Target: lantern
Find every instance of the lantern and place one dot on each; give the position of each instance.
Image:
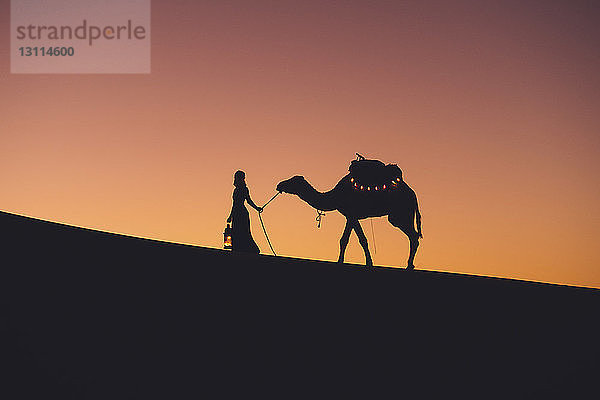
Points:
(227, 245)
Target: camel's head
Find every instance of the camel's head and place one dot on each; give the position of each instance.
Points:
(291, 185)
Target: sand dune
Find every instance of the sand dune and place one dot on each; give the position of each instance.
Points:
(94, 315)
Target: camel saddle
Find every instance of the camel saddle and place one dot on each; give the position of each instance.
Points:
(373, 173)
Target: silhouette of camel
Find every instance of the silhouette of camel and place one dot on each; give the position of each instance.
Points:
(398, 202)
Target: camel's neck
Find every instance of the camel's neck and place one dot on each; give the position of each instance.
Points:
(324, 201)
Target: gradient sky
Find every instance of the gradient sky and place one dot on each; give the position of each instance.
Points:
(490, 108)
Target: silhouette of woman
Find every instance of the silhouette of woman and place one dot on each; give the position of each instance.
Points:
(241, 238)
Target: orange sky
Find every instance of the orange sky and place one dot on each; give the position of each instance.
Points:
(490, 109)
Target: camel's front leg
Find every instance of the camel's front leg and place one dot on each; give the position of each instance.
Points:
(363, 242)
(344, 240)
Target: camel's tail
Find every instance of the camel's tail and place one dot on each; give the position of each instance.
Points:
(418, 217)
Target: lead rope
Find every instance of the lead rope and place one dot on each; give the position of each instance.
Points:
(262, 223)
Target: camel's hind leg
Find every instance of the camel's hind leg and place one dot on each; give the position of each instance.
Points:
(406, 225)
(344, 240)
(363, 242)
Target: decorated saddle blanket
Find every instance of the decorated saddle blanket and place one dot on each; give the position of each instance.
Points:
(368, 175)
